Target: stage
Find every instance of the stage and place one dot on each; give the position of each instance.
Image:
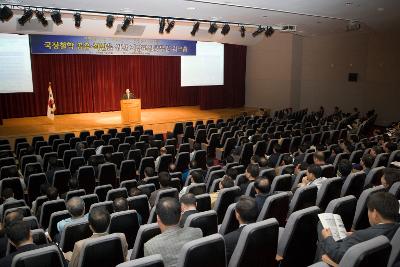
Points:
(160, 120)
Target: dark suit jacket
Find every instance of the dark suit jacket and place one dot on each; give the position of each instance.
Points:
(7, 260)
(185, 215)
(231, 240)
(330, 160)
(260, 200)
(125, 96)
(273, 159)
(243, 187)
(336, 250)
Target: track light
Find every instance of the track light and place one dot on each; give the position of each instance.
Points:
(213, 28)
(28, 13)
(225, 29)
(195, 28)
(110, 21)
(6, 13)
(269, 31)
(162, 26)
(41, 18)
(56, 17)
(127, 22)
(258, 31)
(170, 26)
(242, 31)
(78, 19)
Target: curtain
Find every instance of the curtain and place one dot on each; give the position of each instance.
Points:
(95, 83)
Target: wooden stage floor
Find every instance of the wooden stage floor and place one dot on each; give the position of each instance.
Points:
(160, 120)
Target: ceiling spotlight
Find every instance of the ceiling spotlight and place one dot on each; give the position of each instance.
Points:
(6, 13)
(258, 31)
(110, 21)
(78, 19)
(127, 22)
(170, 26)
(41, 18)
(28, 13)
(225, 29)
(213, 28)
(162, 26)
(242, 31)
(56, 17)
(195, 28)
(269, 31)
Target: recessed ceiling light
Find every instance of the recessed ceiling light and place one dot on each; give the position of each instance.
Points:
(349, 3)
(265, 16)
(380, 9)
(190, 8)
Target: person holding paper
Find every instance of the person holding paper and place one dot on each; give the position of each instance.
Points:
(383, 212)
(313, 177)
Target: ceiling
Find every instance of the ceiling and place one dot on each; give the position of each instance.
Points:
(312, 17)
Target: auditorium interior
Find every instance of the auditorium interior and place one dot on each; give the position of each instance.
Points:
(192, 133)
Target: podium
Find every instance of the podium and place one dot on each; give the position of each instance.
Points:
(130, 111)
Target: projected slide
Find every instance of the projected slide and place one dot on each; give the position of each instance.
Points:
(15, 67)
(206, 68)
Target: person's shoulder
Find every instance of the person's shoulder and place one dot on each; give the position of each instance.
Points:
(195, 232)
(154, 242)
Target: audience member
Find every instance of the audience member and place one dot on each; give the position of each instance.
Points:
(389, 147)
(251, 173)
(335, 150)
(9, 218)
(313, 177)
(302, 152)
(99, 219)
(366, 163)
(255, 159)
(196, 177)
(344, 169)
(319, 158)
(120, 204)
(383, 211)
(262, 187)
(389, 177)
(276, 152)
(163, 151)
(233, 173)
(226, 182)
(246, 212)
(263, 162)
(134, 191)
(52, 194)
(172, 238)
(52, 168)
(165, 183)
(76, 208)
(196, 147)
(7, 196)
(375, 151)
(188, 207)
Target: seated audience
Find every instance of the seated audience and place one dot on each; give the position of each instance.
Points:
(255, 159)
(76, 208)
(52, 194)
(233, 173)
(375, 151)
(120, 204)
(188, 207)
(313, 177)
(251, 173)
(389, 147)
(302, 152)
(319, 158)
(163, 151)
(366, 163)
(383, 211)
(10, 217)
(134, 191)
(172, 238)
(246, 212)
(389, 177)
(335, 149)
(196, 178)
(99, 219)
(165, 183)
(262, 187)
(7, 196)
(196, 147)
(344, 169)
(276, 152)
(226, 182)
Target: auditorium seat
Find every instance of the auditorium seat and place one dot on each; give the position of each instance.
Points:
(131, 140)
(15, 184)
(213, 175)
(73, 141)
(185, 147)
(38, 145)
(25, 210)
(374, 177)
(165, 161)
(353, 185)
(141, 205)
(73, 232)
(127, 170)
(206, 251)
(68, 136)
(303, 197)
(87, 153)
(21, 146)
(74, 193)
(124, 148)
(126, 222)
(33, 186)
(250, 191)
(257, 245)
(145, 233)
(328, 171)
(48, 208)
(112, 131)
(7, 161)
(26, 160)
(108, 174)
(55, 218)
(276, 206)
(97, 143)
(68, 155)
(32, 222)
(356, 156)
(116, 193)
(61, 181)
(338, 158)
(329, 190)
(128, 184)
(89, 200)
(381, 160)
(299, 233)
(43, 150)
(395, 190)
(106, 149)
(228, 146)
(203, 202)
(98, 133)
(108, 205)
(144, 163)
(49, 256)
(56, 143)
(114, 142)
(226, 197)
(74, 164)
(229, 223)
(281, 183)
(83, 135)
(127, 131)
(182, 161)
(101, 191)
(31, 168)
(53, 137)
(86, 178)
(394, 156)
(207, 221)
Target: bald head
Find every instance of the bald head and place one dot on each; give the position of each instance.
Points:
(76, 207)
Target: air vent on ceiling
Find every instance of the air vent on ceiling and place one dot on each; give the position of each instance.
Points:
(288, 28)
(35, 26)
(133, 30)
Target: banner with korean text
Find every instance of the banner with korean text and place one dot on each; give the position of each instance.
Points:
(63, 44)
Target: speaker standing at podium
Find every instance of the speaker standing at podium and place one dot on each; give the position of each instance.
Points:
(128, 95)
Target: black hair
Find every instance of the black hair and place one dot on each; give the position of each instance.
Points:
(303, 148)
(336, 149)
(188, 199)
(263, 162)
(253, 170)
(345, 167)
(385, 204)
(262, 184)
(229, 159)
(368, 160)
(315, 169)
(13, 216)
(197, 176)
(52, 193)
(287, 159)
(99, 219)
(255, 158)
(149, 171)
(120, 204)
(391, 146)
(18, 232)
(168, 210)
(377, 149)
(196, 146)
(164, 179)
(227, 182)
(277, 147)
(7, 193)
(233, 173)
(392, 176)
(247, 209)
(76, 206)
(134, 191)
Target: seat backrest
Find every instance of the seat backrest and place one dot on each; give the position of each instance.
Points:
(345, 207)
(48, 208)
(360, 220)
(126, 222)
(203, 202)
(328, 171)
(182, 161)
(229, 223)
(329, 190)
(394, 254)
(374, 176)
(32, 221)
(303, 197)
(108, 174)
(75, 163)
(141, 205)
(128, 170)
(275, 206)
(145, 233)
(207, 221)
(61, 179)
(226, 197)
(212, 176)
(108, 205)
(34, 183)
(8, 171)
(116, 193)
(74, 193)
(73, 232)
(353, 185)
(374, 252)
(300, 232)
(48, 256)
(281, 183)
(56, 217)
(196, 189)
(206, 251)
(395, 190)
(200, 156)
(256, 239)
(150, 261)
(356, 156)
(171, 192)
(86, 178)
(102, 251)
(89, 201)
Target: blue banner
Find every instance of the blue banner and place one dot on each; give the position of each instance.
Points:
(63, 44)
